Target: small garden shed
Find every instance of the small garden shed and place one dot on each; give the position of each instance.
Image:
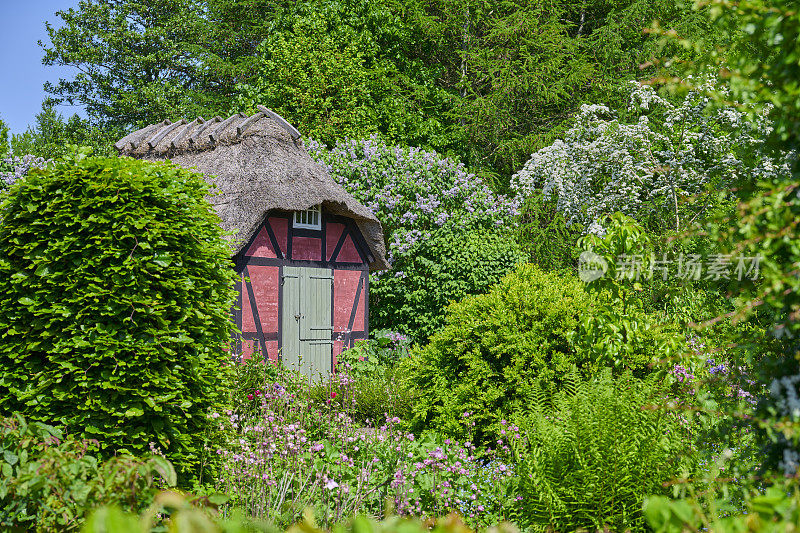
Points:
(302, 246)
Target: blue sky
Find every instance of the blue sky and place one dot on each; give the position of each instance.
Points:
(22, 74)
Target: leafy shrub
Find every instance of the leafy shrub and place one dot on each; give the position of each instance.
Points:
(498, 349)
(588, 460)
(431, 208)
(495, 348)
(774, 510)
(115, 293)
(51, 483)
(368, 383)
(384, 350)
(453, 263)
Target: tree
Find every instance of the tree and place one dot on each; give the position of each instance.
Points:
(660, 163)
(3, 138)
(343, 69)
(52, 137)
(521, 69)
(138, 62)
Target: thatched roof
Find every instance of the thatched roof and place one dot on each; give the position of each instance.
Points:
(256, 163)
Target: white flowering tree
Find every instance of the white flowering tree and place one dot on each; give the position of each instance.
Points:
(659, 162)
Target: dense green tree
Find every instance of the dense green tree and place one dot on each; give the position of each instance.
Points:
(51, 136)
(347, 69)
(488, 81)
(137, 62)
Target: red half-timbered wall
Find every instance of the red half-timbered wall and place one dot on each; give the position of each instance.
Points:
(338, 246)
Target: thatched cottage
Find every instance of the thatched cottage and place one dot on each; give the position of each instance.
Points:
(303, 247)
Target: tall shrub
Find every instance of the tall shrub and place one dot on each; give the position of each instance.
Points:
(496, 350)
(455, 262)
(115, 290)
(438, 219)
(499, 351)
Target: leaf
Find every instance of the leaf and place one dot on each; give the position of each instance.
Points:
(165, 469)
(10, 458)
(134, 412)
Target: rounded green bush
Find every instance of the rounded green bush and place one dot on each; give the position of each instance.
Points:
(455, 262)
(115, 292)
(497, 351)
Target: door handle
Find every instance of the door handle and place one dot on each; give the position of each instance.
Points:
(297, 317)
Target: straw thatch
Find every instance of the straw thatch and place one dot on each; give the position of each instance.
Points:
(255, 163)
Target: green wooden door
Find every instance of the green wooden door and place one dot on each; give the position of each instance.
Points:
(306, 320)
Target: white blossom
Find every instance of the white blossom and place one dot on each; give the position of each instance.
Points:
(648, 165)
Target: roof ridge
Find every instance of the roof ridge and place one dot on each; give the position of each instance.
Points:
(184, 135)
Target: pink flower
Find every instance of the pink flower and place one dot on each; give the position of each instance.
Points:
(333, 395)
(258, 392)
(249, 396)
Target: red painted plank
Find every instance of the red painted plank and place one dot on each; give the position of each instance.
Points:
(333, 232)
(307, 248)
(348, 254)
(280, 228)
(345, 286)
(265, 280)
(272, 351)
(248, 324)
(262, 246)
(337, 351)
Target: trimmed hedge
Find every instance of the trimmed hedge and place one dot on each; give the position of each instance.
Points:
(115, 291)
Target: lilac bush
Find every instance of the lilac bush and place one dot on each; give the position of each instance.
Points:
(289, 453)
(13, 168)
(412, 191)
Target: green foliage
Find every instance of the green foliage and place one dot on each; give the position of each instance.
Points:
(371, 379)
(50, 483)
(488, 82)
(588, 460)
(453, 263)
(774, 510)
(136, 63)
(188, 519)
(183, 515)
(497, 351)
(762, 59)
(116, 291)
(342, 69)
(303, 445)
(385, 349)
(3, 140)
(545, 236)
(52, 136)
(251, 375)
